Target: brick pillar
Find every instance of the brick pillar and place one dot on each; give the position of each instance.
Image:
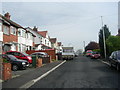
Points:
(7, 73)
(39, 62)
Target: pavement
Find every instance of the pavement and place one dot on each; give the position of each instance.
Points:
(22, 77)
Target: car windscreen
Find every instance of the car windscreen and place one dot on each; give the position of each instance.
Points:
(118, 56)
(12, 57)
(25, 54)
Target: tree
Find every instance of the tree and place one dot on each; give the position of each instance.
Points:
(101, 43)
(91, 46)
(113, 43)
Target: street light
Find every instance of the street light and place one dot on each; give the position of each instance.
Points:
(84, 45)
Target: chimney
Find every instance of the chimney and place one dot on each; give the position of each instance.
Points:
(35, 28)
(7, 15)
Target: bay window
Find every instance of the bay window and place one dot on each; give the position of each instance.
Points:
(13, 30)
(6, 30)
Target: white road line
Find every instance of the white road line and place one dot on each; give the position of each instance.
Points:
(32, 82)
(104, 62)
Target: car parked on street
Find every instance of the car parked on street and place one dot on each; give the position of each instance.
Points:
(114, 60)
(88, 53)
(20, 55)
(16, 63)
(95, 55)
(40, 54)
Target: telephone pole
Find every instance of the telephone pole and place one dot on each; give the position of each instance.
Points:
(84, 45)
(103, 37)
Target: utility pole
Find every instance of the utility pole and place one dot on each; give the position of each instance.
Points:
(84, 45)
(103, 37)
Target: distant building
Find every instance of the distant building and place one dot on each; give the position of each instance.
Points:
(59, 47)
(54, 44)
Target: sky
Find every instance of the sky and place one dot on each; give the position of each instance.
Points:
(70, 22)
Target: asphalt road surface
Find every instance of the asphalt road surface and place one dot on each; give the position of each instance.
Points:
(82, 72)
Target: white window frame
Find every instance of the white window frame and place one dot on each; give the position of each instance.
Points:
(13, 30)
(6, 28)
(0, 26)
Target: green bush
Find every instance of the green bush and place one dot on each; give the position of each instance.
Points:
(5, 60)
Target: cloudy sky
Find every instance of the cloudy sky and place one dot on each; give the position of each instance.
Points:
(70, 22)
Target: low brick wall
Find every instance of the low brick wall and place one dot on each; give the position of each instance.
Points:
(46, 60)
(50, 52)
(6, 73)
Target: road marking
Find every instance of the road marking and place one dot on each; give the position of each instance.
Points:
(104, 62)
(15, 76)
(32, 82)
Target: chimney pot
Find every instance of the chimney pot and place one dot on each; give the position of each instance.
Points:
(35, 28)
(7, 15)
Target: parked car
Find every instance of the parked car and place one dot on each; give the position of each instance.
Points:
(16, 63)
(95, 55)
(114, 60)
(20, 55)
(40, 54)
(88, 53)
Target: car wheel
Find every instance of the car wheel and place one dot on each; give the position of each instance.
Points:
(118, 67)
(14, 67)
(24, 68)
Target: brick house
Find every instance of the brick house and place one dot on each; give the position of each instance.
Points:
(15, 37)
(10, 36)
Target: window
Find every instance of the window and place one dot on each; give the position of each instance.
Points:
(6, 30)
(118, 55)
(0, 26)
(45, 41)
(0, 47)
(13, 30)
(17, 54)
(19, 32)
(19, 47)
(23, 33)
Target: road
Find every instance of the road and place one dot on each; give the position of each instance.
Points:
(82, 72)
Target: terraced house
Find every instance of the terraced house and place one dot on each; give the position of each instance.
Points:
(25, 40)
(45, 43)
(13, 36)
(10, 33)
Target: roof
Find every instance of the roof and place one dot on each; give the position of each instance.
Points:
(11, 22)
(43, 33)
(53, 40)
(67, 47)
(30, 31)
